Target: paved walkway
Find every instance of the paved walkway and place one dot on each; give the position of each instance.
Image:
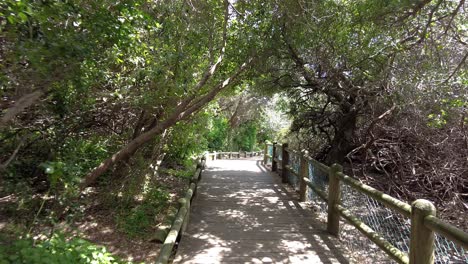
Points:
(242, 214)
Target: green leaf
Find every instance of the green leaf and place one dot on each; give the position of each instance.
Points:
(11, 19)
(23, 16)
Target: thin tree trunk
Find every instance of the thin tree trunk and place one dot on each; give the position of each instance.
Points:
(183, 111)
(139, 125)
(23, 103)
(342, 142)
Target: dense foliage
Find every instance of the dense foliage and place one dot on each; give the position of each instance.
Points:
(97, 96)
(381, 86)
(103, 93)
(58, 249)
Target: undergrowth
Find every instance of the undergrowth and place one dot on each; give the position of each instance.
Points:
(57, 249)
(139, 220)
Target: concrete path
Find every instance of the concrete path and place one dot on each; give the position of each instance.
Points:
(243, 214)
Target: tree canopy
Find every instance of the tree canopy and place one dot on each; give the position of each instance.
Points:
(96, 93)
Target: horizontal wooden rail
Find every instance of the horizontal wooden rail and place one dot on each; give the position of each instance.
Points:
(196, 175)
(318, 164)
(166, 250)
(179, 224)
(422, 212)
(316, 189)
(314, 162)
(389, 201)
(238, 154)
(182, 216)
(291, 170)
(447, 230)
(386, 246)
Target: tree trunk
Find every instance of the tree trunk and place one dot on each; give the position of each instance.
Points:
(181, 112)
(23, 103)
(139, 124)
(342, 142)
(126, 151)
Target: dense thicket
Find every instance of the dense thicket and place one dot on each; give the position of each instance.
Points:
(98, 93)
(381, 86)
(105, 78)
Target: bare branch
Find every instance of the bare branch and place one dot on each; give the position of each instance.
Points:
(12, 157)
(462, 62)
(429, 21)
(23, 103)
(180, 113)
(454, 13)
(209, 72)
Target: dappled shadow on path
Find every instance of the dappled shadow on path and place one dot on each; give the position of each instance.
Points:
(243, 214)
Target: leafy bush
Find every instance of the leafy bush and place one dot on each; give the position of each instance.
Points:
(139, 220)
(58, 249)
(156, 198)
(245, 137)
(187, 140)
(179, 173)
(136, 222)
(217, 136)
(77, 157)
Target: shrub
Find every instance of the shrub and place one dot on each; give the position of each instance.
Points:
(139, 220)
(58, 249)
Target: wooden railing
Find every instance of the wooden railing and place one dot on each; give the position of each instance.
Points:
(182, 216)
(424, 223)
(230, 155)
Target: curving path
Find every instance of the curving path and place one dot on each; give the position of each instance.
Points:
(243, 214)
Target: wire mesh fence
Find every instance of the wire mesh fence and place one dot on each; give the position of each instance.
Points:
(270, 153)
(394, 227)
(294, 163)
(320, 179)
(279, 153)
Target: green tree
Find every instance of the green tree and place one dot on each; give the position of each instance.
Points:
(218, 133)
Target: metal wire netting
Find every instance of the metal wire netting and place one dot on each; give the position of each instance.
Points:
(394, 227)
(270, 152)
(294, 162)
(279, 154)
(389, 224)
(320, 179)
(449, 252)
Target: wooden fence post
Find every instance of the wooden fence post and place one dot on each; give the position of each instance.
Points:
(422, 238)
(284, 163)
(274, 164)
(265, 154)
(304, 173)
(201, 164)
(333, 222)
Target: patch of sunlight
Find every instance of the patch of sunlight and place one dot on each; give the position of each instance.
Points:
(306, 259)
(107, 230)
(295, 246)
(154, 169)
